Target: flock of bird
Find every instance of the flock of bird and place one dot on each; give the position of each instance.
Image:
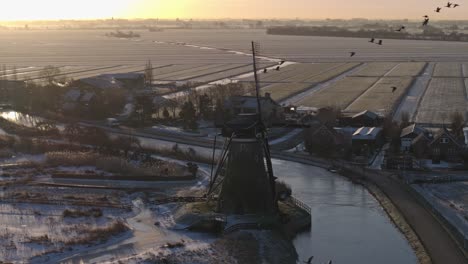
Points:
(424, 23)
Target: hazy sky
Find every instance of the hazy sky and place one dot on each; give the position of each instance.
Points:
(86, 9)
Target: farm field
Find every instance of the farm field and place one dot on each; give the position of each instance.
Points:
(443, 97)
(380, 98)
(280, 91)
(407, 69)
(299, 77)
(465, 70)
(341, 94)
(375, 69)
(448, 69)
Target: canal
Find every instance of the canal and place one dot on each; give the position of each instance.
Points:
(348, 224)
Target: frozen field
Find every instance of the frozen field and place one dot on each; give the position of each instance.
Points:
(325, 74)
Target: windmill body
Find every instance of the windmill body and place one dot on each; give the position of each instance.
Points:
(247, 186)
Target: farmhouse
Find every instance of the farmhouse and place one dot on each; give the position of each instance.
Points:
(364, 118)
(129, 81)
(271, 110)
(444, 146)
(76, 99)
(367, 139)
(323, 139)
(409, 134)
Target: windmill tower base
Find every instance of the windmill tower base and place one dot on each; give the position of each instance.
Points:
(246, 186)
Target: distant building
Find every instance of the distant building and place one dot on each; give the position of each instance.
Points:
(362, 119)
(75, 99)
(444, 146)
(367, 139)
(129, 81)
(271, 110)
(99, 82)
(409, 134)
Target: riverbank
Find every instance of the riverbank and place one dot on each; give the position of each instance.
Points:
(395, 216)
(428, 237)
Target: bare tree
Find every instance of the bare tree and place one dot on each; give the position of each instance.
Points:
(49, 74)
(457, 121)
(405, 119)
(15, 73)
(149, 73)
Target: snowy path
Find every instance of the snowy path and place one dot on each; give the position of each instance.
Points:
(410, 102)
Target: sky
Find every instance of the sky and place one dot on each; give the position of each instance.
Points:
(213, 9)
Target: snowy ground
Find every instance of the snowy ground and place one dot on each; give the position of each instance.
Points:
(34, 229)
(450, 200)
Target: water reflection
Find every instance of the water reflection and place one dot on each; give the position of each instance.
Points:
(21, 119)
(348, 224)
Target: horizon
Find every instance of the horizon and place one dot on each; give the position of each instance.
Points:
(53, 10)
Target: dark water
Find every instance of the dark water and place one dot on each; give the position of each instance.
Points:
(348, 224)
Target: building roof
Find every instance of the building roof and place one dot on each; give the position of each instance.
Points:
(124, 76)
(444, 131)
(367, 113)
(86, 97)
(102, 82)
(412, 129)
(368, 133)
(420, 138)
(72, 95)
(249, 101)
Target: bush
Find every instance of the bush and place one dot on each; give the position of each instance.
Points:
(96, 235)
(283, 190)
(94, 212)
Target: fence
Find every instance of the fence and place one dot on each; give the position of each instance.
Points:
(243, 226)
(179, 200)
(301, 205)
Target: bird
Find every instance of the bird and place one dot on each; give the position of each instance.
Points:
(372, 40)
(438, 9)
(380, 42)
(449, 5)
(401, 28)
(352, 53)
(309, 261)
(330, 262)
(394, 88)
(282, 62)
(278, 68)
(265, 70)
(455, 5)
(425, 22)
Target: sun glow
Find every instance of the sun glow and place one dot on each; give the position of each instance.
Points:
(63, 9)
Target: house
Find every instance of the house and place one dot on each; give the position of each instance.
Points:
(131, 81)
(77, 99)
(408, 134)
(323, 139)
(99, 82)
(444, 146)
(367, 139)
(10, 88)
(420, 145)
(362, 119)
(271, 110)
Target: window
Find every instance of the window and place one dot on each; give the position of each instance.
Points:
(444, 140)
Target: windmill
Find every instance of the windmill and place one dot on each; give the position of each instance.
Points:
(247, 185)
